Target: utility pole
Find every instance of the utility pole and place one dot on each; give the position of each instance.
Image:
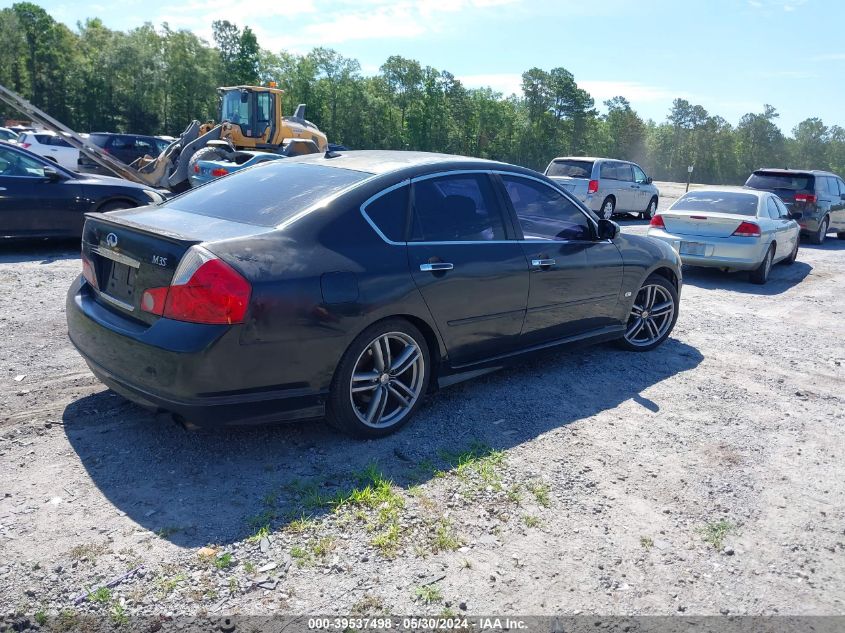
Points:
(689, 175)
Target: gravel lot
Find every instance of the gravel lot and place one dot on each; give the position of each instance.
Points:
(705, 477)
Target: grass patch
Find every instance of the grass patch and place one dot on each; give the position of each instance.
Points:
(300, 555)
(68, 620)
(479, 466)
(89, 551)
(715, 533)
(369, 605)
(224, 561)
(167, 585)
(119, 615)
(531, 521)
(101, 595)
(540, 491)
(646, 542)
(445, 539)
(40, 618)
(260, 533)
(387, 541)
(167, 531)
(428, 594)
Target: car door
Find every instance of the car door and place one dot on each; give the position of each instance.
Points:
(792, 231)
(780, 229)
(837, 209)
(575, 279)
(467, 264)
(627, 188)
(33, 204)
(642, 190)
(63, 152)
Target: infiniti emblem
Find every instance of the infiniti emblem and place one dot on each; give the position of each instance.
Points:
(111, 240)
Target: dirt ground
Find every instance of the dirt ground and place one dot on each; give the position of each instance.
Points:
(704, 477)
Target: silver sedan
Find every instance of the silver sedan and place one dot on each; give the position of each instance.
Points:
(739, 229)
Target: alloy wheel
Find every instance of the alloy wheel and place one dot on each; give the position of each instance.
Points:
(387, 380)
(651, 315)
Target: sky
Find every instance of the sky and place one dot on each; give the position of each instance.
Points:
(730, 56)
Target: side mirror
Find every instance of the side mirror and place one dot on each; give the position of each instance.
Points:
(608, 229)
(648, 180)
(51, 174)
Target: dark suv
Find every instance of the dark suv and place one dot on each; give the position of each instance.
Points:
(124, 147)
(818, 196)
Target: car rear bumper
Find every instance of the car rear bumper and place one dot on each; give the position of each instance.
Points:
(191, 370)
(735, 253)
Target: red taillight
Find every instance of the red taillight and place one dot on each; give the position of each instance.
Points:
(747, 229)
(805, 197)
(657, 221)
(88, 271)
(204, 290)
(196, 169)
(593, 187)
(219, 172)
(26, 145)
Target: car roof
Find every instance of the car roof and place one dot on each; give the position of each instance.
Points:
(592, 158)
(379, 162)
(786, 170)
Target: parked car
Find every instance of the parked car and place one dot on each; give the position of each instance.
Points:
(731, 229)
(8, 135)
(310, 286)
(204, 171)
(51, 146)
(39, 198)
(817, 198)
(127, 148)
(606, 186)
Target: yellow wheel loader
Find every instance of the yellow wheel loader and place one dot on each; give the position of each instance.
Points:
(250, 119)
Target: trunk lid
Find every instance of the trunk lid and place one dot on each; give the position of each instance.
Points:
(131, 251)
(697, 224)
(576, 186)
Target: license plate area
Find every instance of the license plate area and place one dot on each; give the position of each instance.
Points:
(692, 248)
(116, 273)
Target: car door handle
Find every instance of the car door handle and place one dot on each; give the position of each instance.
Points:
(542, 262)
(2, 188)
(635, 186)
(435, 267)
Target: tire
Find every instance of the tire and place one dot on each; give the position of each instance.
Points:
(650, 211)
(792, 256)
(399, 393)
(760, 275)
(645, 333)
(818, 237)
(204, 153)
(115, 206)
(608, 208)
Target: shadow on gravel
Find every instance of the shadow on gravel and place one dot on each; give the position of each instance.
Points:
(43, 251)
(781, 279)
(220, 486)
(830, 244)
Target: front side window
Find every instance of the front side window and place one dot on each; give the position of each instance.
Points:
(833, 186)
(639, 175)
(545, 214)
(460, 208)
(782, 210)
(15, 164)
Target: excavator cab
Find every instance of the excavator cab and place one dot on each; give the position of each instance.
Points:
(253, 112)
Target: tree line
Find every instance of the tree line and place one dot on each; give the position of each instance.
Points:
(157, 80)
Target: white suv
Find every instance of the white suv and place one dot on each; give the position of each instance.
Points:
(51, 146)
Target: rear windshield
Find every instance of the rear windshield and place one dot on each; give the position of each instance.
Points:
(267, 194)
(99, 139)
(571, 168)
(717, 202)
(785, 181)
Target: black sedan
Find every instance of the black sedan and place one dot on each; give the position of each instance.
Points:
(38, 198)
(347, 287)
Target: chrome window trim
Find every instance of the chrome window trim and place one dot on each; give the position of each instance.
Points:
(459, 172)
(120, 258)
(117, 302)
(373, 198)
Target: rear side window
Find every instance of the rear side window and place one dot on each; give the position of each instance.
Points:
(267, 194)
(608, 171)
(459, 208)
(571, 169)
(389, 213)
(832, 186)
(624, 172)
(774, 213)
(781, 180)
(717, 202)
(98, 139)
(545, 214)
